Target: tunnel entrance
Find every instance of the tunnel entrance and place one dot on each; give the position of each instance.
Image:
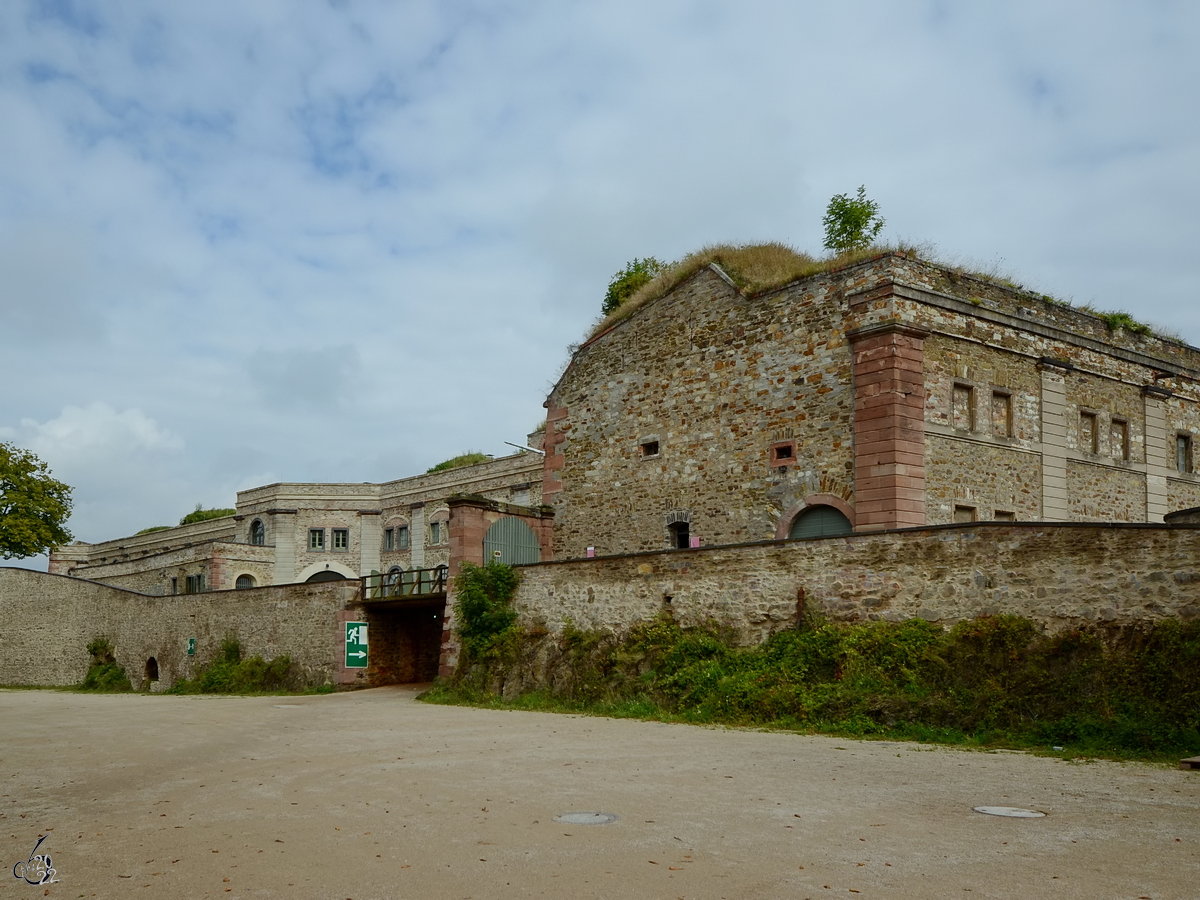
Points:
(406, 643)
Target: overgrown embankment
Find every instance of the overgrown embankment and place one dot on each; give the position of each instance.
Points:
(995, 680)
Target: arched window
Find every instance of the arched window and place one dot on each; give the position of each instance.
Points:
(680, 534)
(258, 533)
(152, 669)
(820, 521)
(391, 581)
(244, 582)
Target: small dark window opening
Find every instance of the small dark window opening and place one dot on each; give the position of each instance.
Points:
(650, 448)
(681, 535)
(258, 533)
(785, 452)
(1183, 452)
(152, 669)
(174, 585)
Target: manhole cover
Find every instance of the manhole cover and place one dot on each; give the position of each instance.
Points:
(585, 818)
(1012, 812)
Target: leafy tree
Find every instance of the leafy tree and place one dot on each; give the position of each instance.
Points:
(199, 514)
(34, 507)
(851, 223)
(626, 282)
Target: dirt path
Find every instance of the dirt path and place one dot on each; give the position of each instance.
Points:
(372, 795)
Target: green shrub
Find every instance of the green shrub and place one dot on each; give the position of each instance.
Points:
(473, 458)
(203, 515)
(228, 673)
(104, 675)
(483, 609)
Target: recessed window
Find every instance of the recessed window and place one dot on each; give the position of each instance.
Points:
(1118, 439)
(244, 582)
(389, 539)
(341, 539)
(316, 539)
(258, 533)
(680, 534)
(962, 407)
(649, 448)
(194, 584)
(437, 532)
(964, 514)
(1183, 452)
(174, 585)
(1003, 515)
(401, 537)
(1002, 425)
(783, 454)
(1089, 437)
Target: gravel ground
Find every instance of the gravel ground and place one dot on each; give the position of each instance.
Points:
(373, 795)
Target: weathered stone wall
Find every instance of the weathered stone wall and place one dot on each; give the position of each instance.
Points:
(1105, 492)
(986, 477)
(50, 619)
(1060, 575)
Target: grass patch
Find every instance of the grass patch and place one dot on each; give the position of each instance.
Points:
(753, 268)
(228, 673)
(988, 683)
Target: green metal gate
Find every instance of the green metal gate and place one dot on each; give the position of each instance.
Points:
(511, 542)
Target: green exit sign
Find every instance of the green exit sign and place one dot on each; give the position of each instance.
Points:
(356, 645)
(191, 646)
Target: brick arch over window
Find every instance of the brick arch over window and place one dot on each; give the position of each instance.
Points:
(789, 517)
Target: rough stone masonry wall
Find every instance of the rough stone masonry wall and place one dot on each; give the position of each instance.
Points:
(50, 619)
(715, 379)
(1060, 575)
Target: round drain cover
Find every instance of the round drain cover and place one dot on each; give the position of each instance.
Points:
(585, 818)
(1012, 812)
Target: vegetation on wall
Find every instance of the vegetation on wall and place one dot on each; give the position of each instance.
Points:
(473, 458)
(203, 515)
(153, 528)
(486, 621)
(34, 506)
(989, 681)
(228, 673)
(104, 675)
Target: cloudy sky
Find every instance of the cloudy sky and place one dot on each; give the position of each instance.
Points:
(341, 241)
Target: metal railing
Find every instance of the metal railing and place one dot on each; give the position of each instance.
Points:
(415, 584)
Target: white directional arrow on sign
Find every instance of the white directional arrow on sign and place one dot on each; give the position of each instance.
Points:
(357, 653)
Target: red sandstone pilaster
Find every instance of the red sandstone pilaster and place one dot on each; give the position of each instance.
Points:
(889, 426)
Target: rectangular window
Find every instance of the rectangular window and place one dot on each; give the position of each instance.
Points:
(174, 585)
(389, 539)
(1089, 437)
(435, 532)
(1118, 438)
(1002, 425)
(341, 539)
(1002, 515)
(316, 539)
(1183, 452)
(649, 448)
(964, 514)
(402, 537)
(783, 454)
(194, 584)
(962, 407)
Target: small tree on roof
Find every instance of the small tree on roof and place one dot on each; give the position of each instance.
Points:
(626, 282)
(851, 223)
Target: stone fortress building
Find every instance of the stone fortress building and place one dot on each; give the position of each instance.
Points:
(886, 439)
(289, 533)
(887, 394)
